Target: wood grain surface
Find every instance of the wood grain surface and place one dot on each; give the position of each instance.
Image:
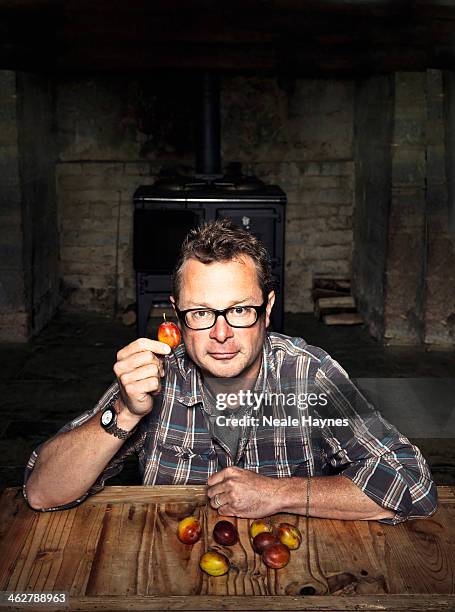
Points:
(119, 550)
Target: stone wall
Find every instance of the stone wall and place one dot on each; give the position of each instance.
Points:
(29, 282)
(439, 319)
(14, 310)
(115, 135)
(37, 167)
(374, 111)
(420, 277)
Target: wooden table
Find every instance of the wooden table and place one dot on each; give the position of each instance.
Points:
(118, 550)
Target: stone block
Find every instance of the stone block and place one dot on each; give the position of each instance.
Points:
(434, 132)
(90, 281)
(435, 95)
(90, 225)
(409, 132)
(436, 163)
(12, 292)
(410, 95)
(9, 151)
(402, 290)
(95, 182)
(90, 299)
(441, 257)
(397, 332)
(407, 210)
(437, 198)
(101, 169)
(137, 168)
(87, 238)
(405, 252)
(338, 222)
(336, 268)
(86, 254)
(14, 327)
(68, 169)
(8, 132)
(11, 256)
(330, 238)
(408, 166)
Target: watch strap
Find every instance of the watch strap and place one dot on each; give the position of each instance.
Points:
(116, 431)
(122, 434)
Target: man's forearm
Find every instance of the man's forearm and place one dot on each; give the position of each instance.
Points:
(333, 497)
(68, 465)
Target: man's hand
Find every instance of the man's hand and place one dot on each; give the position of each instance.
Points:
(243, 493)
(139, 371)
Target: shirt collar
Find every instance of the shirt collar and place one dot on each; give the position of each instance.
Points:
(187, 373)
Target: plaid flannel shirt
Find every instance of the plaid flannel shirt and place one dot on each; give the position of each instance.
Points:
(174, 446)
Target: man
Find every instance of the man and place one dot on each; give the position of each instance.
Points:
(305, 441)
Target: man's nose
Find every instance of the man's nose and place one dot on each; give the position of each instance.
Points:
(221, 330)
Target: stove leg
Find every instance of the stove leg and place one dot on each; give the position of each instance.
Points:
(144, 304)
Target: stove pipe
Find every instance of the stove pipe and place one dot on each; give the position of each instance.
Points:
(208, 154)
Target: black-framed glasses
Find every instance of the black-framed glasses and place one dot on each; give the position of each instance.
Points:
(235, 316)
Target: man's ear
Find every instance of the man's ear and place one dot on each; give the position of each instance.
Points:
(172, 300)
(268, 310)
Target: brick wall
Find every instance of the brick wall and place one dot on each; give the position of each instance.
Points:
(439, 306)
(36, 139)
(374, 113)
(14, 311)
(299, 138)
(420, 271)
(28, 222)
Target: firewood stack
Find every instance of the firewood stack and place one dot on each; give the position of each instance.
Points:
(333, 302)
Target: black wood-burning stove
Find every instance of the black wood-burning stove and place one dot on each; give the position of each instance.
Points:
(167, 210)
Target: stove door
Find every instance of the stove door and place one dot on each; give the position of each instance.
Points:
(262, 222)
(158, 237)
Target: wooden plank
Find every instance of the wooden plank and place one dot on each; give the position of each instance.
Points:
(150, 494)
(446, 494)
(419, 558)
(80, 550)
(343, 301)
(343, 318)
(128, 552)
(17, 540)
(349, 558)
(389, 603)
(173, 567)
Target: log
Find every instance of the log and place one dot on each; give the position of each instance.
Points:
(319, 292)
(343, 301)
(343, 318)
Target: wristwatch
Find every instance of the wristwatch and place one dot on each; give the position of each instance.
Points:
(109, 423)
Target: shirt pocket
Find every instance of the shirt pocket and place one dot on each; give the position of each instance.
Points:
(180, 464)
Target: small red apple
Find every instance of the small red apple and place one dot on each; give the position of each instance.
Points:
(225, 533)
(276, 555)
(169, 333)
(264, 539)
(260, 525)
(214, 563)
(189, 530)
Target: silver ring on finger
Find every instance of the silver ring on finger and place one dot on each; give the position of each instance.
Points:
(216, 501)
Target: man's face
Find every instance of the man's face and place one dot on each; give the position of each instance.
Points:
(222, 350)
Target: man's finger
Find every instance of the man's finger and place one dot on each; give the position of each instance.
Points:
(226, 511)
(216, 489)
(144, 344)
(217, 477)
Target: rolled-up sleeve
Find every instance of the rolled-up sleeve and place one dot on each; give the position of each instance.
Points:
(370, 451)
(112, 469)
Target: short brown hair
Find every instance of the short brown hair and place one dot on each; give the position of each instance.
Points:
(222, 240)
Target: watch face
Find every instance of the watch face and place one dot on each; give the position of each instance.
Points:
(107, 417)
